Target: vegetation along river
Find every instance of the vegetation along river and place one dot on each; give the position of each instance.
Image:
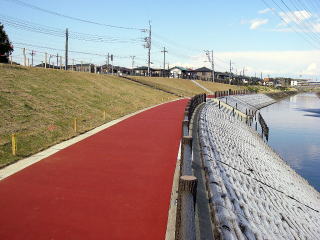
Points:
(294, 125)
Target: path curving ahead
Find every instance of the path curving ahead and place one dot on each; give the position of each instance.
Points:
(115, 184)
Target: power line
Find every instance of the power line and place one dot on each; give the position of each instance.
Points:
(288, 23)
(62, 50)
(301, 21)
(32, 27)
(28, 5)
(315, 4)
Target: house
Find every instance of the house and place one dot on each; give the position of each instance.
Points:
(294, 83)
(203, 73)
(302, 82)
(283, 82)
(178, 72)
(141, 71)
(85, 67)
(121, 70)
(268, 82)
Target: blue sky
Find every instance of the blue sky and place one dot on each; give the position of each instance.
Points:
(248, 33)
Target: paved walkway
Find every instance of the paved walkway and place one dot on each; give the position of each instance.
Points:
(115, 184)
(203, 87)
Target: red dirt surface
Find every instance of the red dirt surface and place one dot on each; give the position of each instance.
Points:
(115, 184)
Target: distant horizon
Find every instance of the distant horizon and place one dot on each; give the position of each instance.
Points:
(249, 34)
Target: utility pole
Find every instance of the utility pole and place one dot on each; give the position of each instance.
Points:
(132, 63)
(50, 59)
(24, 57)
(148, 46)
(45, 60)
(108, 57)
(57, 60)
(32, 54)
(230, 70)
(211, 60)
(111, 58)
(164, 60)
(66, 53)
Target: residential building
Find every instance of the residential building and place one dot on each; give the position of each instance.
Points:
(203, 73)
(178, 72)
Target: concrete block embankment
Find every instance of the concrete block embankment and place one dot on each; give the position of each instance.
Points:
(253, 193)
(248, 103)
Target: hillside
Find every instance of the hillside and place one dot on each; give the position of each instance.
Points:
(214, 86)
(183, 87)
(39, 105)
(178, 86)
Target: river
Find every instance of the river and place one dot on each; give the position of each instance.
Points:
(294, 125)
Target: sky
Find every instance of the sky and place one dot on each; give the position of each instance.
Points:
(257, 36)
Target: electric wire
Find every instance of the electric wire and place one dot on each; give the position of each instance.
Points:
(28, 5)
(32, 27)
(290, 26)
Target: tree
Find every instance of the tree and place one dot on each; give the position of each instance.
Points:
(5, 46)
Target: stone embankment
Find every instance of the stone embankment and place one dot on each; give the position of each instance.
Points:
(253, 193)
(248, 103)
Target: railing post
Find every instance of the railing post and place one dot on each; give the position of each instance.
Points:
(187, 155)
(187, 189)
(185, 127)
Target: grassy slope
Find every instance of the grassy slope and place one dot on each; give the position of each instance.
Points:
(179, 86)
(184, 87)
(39, 105)
(219, 86)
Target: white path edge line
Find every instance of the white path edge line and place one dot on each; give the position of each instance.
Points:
(203, 87)
(26, 162)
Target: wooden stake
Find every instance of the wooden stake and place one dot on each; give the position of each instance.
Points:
(104, 115)
(75, 125)
(14, 144)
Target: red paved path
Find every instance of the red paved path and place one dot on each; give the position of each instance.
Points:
(113, 185)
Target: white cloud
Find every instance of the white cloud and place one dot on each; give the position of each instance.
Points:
(264, 11)
(255, 23)
(298, 21)
(312, 69)
(295, 16)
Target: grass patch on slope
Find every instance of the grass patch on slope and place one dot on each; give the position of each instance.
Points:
(182, 87)
(213, 86)
(39, 105)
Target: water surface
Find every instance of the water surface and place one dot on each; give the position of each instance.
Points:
(294, 125)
